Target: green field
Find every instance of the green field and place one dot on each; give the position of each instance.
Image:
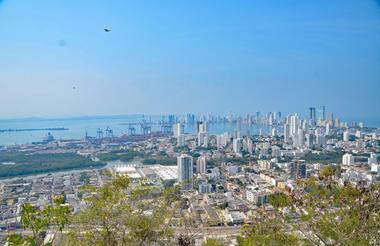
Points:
(28, 163)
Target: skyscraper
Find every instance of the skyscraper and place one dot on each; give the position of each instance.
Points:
(177, 130)
(286, 133)
(238, 128)
(249, 144)
(201, 165)
(327, 129)
(321, 139)
(294, 122)
(312, 115)
(201, 127)
(330, 118)
(346, 136)
(237, 145)
(301, 138)
(309, 140)
(185, 171)
(322, 113)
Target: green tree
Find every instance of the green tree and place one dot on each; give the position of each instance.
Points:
(319, 212)
(122, 213)
(267, 230)
(54, 217)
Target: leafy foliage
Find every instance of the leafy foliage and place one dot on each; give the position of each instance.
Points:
(319, 212)
(53, 217)
(279, 200)
(120, 213)
(267, 231)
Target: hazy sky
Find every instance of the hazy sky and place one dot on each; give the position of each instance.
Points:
(188, 56)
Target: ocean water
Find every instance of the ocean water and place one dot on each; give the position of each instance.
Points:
(78, 127)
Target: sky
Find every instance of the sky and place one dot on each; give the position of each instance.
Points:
(189, 56)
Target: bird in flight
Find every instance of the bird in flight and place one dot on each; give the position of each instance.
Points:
(107, 30)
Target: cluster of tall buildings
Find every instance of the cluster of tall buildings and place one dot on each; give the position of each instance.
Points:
(269, 118)
(185, 170)
(302, 133)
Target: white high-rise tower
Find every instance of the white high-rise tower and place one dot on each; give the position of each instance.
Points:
(185, 171)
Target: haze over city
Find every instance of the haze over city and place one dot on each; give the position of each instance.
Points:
(189, 56)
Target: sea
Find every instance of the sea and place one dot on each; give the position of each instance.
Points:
(77, 127)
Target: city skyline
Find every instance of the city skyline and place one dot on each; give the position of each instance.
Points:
(244, 122)
(179, 57)
(181, 117)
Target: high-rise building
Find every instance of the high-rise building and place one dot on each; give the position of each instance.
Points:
(294, 123)
(312, 116)
(177, 129)
(201, 138)
(301, 138)
(337, 122)
(327, 129)
(238, 124)
(201, 164)
(298, 170)
(286, 133)
(185, 171)
(320, 140)
(346, 136)
(348, 159)
(201, 127)
(322, 113)
(309, 140)
(237, 145)
(249, 143)
(330, 118)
